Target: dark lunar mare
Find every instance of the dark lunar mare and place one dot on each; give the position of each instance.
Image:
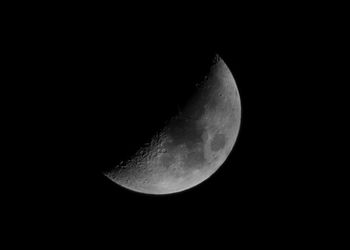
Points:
(184, 131)
(218, 142)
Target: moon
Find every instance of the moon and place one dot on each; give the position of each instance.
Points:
(192, 145)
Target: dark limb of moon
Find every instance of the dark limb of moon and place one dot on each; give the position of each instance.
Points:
(193, 145)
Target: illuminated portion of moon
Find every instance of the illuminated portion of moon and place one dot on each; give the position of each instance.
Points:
(193, 145)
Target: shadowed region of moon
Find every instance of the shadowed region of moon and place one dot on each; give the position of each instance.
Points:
(192, 145)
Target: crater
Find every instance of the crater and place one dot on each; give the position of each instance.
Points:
(218, 142)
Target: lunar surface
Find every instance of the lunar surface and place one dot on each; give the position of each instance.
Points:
(193, 144)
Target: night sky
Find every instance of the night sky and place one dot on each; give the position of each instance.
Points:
(103, 92)
(120, 93)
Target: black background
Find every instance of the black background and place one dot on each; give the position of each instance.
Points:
(101, 88)
(119, 93)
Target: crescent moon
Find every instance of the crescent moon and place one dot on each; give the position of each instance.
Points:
(193, 145)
